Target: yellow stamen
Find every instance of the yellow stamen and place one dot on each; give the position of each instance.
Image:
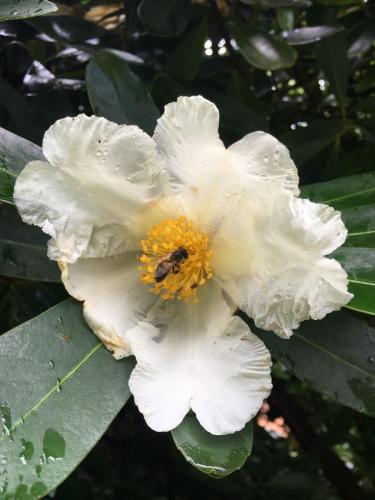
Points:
(186, 276)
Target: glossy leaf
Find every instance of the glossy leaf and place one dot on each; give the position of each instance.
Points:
(309, 34)
(336, 356)
(165, 17)
(217, 456)
(9, 9)
(270, 4)
(285, 18)
(23, 249)
(359, 263)
(118, 94)
(345, 192)
(68, 29)
(60, 390)
(15, 152)
(360, 222)
(262, 50)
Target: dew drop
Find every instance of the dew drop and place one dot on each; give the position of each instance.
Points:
(52, 364)
(58, 385)
(371, 359)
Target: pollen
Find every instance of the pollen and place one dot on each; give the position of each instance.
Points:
(176, 259)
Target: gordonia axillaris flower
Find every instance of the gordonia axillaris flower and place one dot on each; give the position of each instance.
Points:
(164, 237)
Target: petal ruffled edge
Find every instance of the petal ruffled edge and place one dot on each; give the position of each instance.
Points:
(198, 356)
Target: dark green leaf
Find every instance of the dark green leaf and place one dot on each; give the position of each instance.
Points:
(336, 355)
(68, 29)
(359, 263)
(305, 143)
(9, 9)
(23, 249)
(15, 152)
(285, 18)
(360, 222)
(236, 118)
(346, 192)
(333, 59)
(184, 63)
(310, 34)
(116, 93)
(60, 390)
(165, 17)
(217, 456)
(20, 111)
(361, 38)
(270, 4)
(260, 49)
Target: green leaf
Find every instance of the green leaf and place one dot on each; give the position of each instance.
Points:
(345, 192)
(305, 143)
(310, 34)
(355, 197)
(185, 61)
(68, 29)
(270, 4)
(217, 456)
(359, 264)
(165, 17)
(335, 355)
(23, 249)
(262, 50)
(60, 390)
(15, 152)
(333, 59)
(285, 18)
(360, 222)
(9, 9)
(116, 93)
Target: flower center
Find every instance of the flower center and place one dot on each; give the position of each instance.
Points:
(176, 259)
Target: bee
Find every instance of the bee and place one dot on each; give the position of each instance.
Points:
(170, 263)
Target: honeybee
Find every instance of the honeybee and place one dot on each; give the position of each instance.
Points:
(170, 263)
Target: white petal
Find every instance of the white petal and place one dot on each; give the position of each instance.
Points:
(265, 158)
(114, 298)
(102, 174)
(288, 279)
(187, 138)
(198, 356)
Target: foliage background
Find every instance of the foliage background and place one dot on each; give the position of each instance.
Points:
(313, 90)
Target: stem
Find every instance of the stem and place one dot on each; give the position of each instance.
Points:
(223, 29)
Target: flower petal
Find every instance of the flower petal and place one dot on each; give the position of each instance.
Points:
(198, 356)
(102, 174)
(187, 138)
(114, 298)
(265, 158)
(288, 279)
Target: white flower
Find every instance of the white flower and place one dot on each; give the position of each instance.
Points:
(119, 204)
